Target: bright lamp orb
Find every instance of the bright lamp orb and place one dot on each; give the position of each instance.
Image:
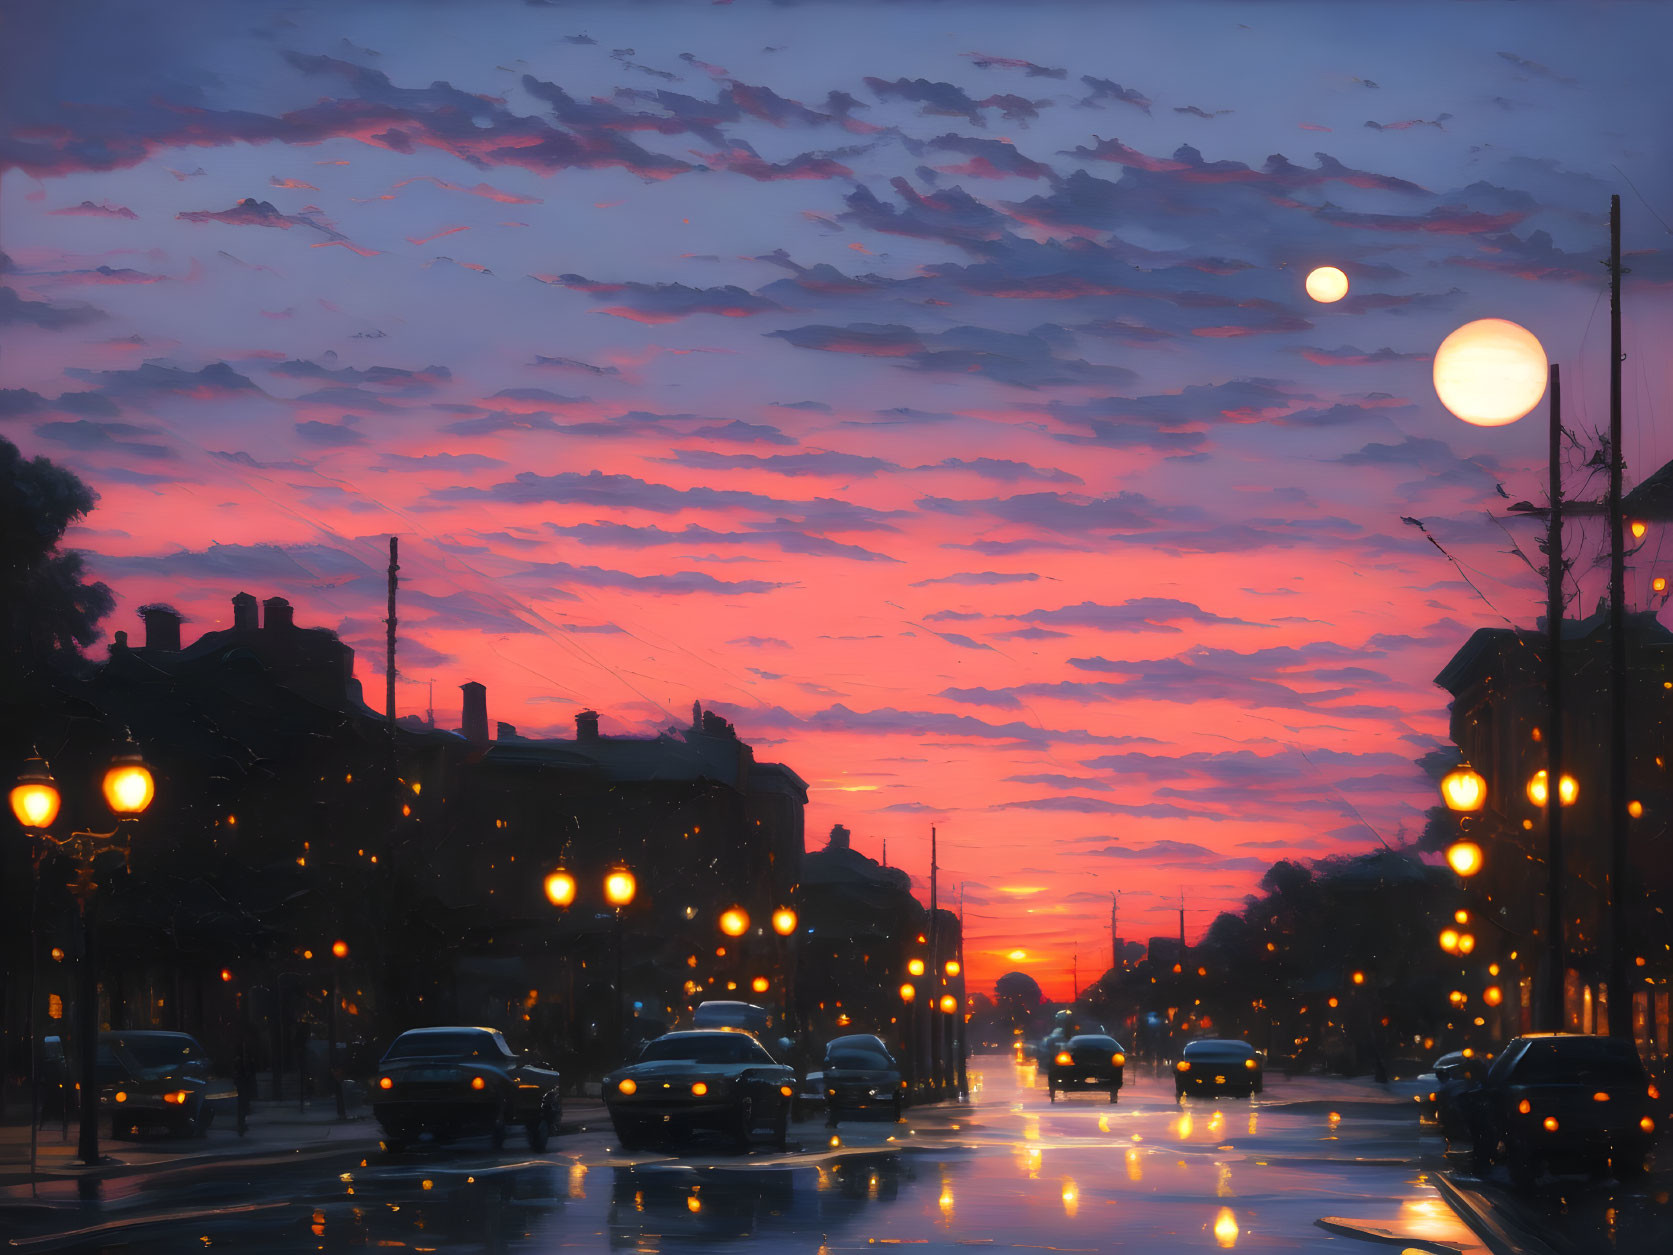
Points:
(1464, 857)
(128, 788)
(35, 804)
(734, 922)
(784, 921)
(1464, 790)
(1327, 285)
(560, 888)
(1490, 372)
(619, 887)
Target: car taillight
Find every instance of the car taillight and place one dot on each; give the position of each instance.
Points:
(627, 1085)
(1250, 1064)
(1184, 1065)
(1600, 1096)
(786, 1091)
(478, 1083)
(1524, 1106)
(1119, 1060)
(177, 1098)
(699, 1088)
(385, 1082)
(1064, 1058)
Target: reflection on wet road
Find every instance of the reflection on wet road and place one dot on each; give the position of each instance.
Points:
(1011, 1172)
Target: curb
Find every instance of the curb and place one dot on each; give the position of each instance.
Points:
(1501, 1237)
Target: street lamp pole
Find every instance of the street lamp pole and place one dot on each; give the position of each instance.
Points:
(1555, 955)
(128, 788)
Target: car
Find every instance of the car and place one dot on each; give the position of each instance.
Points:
(719, 1013)
(1087, 1061)
(1456, 1073)
(1218, 1065)
(153, 1079)
(858, 1072)
(1569, 1101)
(720, 1080)
(1065, 1025)
(453, 1081)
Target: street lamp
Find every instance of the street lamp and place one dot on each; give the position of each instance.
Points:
(1539, 788)
(339, 951)
(734, 921)
(784, 921)
(620, 888)
(1464, 790)
(128, 788)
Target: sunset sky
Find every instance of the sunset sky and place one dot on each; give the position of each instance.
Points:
(928, 388)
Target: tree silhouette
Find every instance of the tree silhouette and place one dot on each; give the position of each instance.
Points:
(52, 611)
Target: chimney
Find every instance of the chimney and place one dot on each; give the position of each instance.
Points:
(278, 614)
(839, 838)
(586, 725)
(162, 627)
(506, 732)
(473, 721)
(244, 614)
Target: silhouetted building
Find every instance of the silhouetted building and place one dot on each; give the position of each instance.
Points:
(1499, 713)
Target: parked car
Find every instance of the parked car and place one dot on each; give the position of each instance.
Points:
(721, 1080)
(1087, 1061)
(1218, 1065)
(151, 1079)
(455, 1081)
(858, 1073)
(1455, 1074)
(1569, 1101)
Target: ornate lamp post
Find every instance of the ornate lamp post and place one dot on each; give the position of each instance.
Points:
(128, 788)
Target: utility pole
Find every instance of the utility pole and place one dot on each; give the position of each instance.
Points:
(931, 1008)
(1115, 937)
(1555, 955)
(1620, 966)
(389, 654)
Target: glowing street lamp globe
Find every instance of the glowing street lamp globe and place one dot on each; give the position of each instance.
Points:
(908, 992)
(1490, 372)
(619, 887)
(949, 1004)
(915, 966)
(35, 797)
(560, 887)
(128, 787)
(1464, 857)
(1327, 285)
(784, 921)
(340, 949)
(734, 922)
(1464, 790)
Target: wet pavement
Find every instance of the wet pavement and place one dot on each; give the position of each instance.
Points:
(1010, 1171)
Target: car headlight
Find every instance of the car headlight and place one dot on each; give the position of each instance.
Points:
(1184, 1065)
(786, 1090)
(121, 1095)
(385, 1082)
(1251, 1064)
(175, 1097)
(699, 1088)
(627, 1085)
(1064, 1058)
(478, 1083)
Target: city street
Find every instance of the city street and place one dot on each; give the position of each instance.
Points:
(1295, 1169)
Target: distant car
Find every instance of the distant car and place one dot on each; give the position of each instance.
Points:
(858, 1072)
(722, 1080)
(722, 1014)
(1218, 1065)
(1571, 1101)
(455, 1081)
(151, 1079)
(1087, 1061)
